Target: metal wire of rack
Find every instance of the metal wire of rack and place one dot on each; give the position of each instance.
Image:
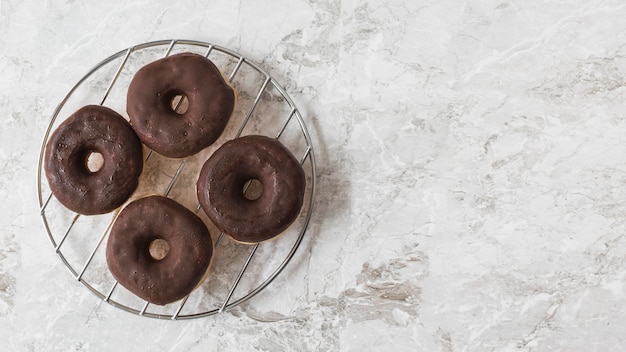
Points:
(176, 310)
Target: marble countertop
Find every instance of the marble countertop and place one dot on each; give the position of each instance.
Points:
(471, 174)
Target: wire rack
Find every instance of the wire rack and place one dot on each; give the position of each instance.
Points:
(238, 271)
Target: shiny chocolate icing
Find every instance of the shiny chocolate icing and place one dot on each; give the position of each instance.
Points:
(211, 101)
(93, 129)
(223, 178)
(158, 281)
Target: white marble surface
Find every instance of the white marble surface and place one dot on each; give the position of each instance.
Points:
(471, 171)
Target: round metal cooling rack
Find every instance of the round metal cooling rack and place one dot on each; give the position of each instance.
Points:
(239, 271)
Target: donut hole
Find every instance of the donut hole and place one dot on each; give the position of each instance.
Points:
(252, 189)
(179, 103)
(94, 161)
(158, 249)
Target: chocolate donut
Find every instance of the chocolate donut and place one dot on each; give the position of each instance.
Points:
(91, 131)
(150, 104)
(224, 175)
(158, 279)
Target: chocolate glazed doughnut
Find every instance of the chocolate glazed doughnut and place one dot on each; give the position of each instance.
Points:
(158, 279)
(90, 131)
(221, 183)
(149, 104)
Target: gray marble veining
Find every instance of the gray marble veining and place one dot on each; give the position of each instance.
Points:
(471, 169)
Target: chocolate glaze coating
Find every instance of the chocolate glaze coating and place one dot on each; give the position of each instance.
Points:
(180, 271)
(222, 179)
(211, 102)
(93, 128)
